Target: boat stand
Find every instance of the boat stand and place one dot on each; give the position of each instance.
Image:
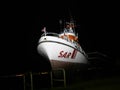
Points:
(58, 78)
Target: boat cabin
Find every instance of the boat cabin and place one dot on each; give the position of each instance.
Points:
(69, 32)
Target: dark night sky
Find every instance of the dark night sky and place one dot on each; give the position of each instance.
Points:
(21, 26)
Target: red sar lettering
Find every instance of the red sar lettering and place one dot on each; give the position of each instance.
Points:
(72, 55)
(63, 54)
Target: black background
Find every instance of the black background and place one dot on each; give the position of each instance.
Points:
(21, 26)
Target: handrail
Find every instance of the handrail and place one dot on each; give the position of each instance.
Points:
(50, 33)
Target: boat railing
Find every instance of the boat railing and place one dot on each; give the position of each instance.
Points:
(50, 34)
(57, 35)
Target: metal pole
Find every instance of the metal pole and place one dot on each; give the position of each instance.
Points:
(31, 78)
(51, 79)
(24, 81)
(64, 78)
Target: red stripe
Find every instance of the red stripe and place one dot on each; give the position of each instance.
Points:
(74, 54)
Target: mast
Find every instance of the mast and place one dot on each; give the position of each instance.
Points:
(72, 22)
(60, 22)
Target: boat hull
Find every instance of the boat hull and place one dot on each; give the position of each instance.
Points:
(61, 55)
(68, 65)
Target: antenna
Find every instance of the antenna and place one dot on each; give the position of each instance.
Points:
(70, 14)
(60, 21)
(72, 20)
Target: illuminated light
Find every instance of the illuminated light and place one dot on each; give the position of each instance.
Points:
(44, 72)
(20, 75)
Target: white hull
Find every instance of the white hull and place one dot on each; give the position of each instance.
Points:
(61, 53)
